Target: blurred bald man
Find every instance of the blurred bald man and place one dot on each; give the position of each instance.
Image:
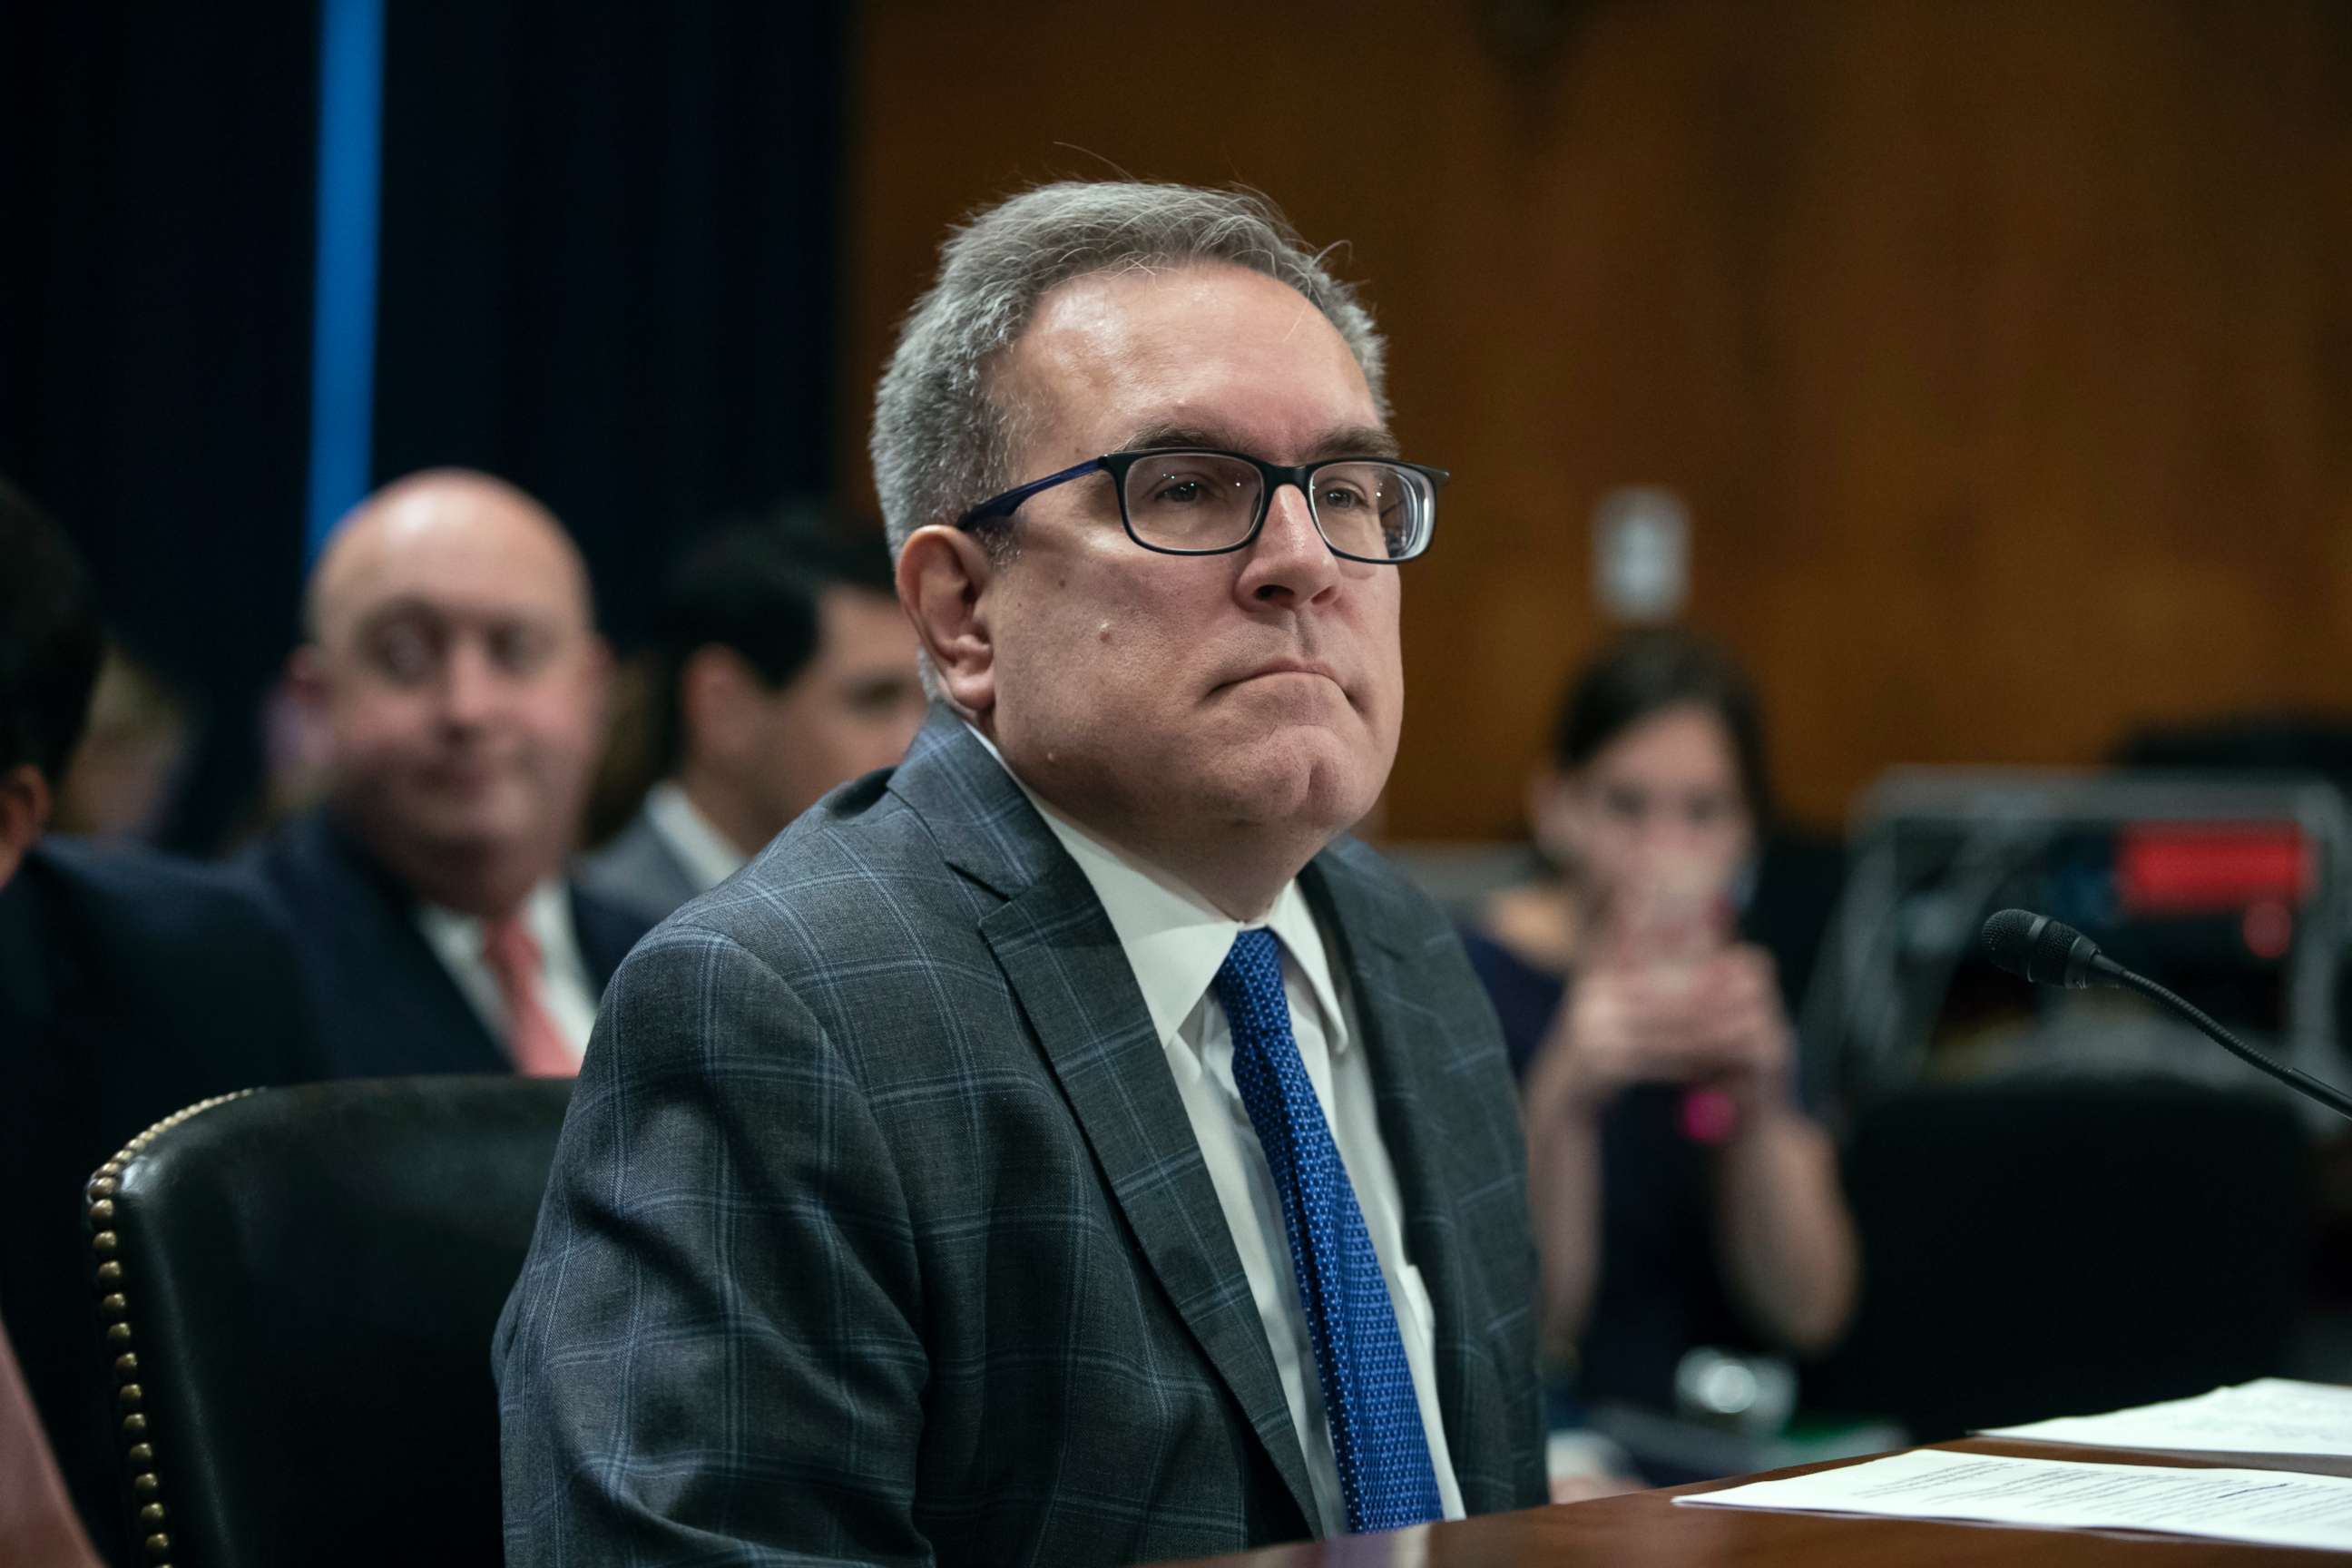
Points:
(455, 667)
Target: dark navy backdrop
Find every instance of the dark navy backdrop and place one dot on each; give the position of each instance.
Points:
(607, 271)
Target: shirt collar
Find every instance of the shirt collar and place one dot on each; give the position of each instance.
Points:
(546, 914)
(707, 855)
(1174, 939)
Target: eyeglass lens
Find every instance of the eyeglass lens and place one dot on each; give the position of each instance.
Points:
(1204, 500)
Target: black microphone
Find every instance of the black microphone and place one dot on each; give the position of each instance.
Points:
(2039, 949)
(2047, 952)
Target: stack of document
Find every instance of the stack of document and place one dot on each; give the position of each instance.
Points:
(2273, 1417)
(2269, 1416)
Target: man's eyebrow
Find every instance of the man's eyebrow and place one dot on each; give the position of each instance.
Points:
(406, 607)
(1161, 437)
(1358, 441)
(1345, 441)
(401, 608)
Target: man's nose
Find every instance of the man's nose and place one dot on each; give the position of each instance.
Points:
(1288, 562)
(470, 685)
(1662, 831)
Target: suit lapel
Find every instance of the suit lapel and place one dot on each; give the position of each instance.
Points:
(407, 1013)
(1410, 1086)
(605, 931)
(1076, 986)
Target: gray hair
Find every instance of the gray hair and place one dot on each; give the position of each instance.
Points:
(940, 443)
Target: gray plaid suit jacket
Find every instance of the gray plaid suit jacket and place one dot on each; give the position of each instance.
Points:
(878, 1231)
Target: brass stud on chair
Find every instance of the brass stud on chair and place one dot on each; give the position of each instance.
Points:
(146, 1485)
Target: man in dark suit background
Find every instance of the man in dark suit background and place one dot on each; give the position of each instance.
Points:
(782, 667)
(131, 985)
(1068, 1147)
(454, 666)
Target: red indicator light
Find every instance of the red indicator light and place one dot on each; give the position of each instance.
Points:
(2180, 868)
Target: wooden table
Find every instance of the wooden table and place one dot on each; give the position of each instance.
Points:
(1646, 1528)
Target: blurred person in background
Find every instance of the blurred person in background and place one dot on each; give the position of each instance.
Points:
(454, 670)
(1681, 1195)
(120, 779)
(131, 985)
(782, 667)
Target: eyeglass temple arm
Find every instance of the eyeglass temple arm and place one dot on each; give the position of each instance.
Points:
(1009, 502)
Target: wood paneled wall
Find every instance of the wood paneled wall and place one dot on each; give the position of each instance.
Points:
(2002, 349)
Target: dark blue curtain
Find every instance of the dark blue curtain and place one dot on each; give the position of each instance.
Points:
(606, 270)
(157, 175)
(606, 273)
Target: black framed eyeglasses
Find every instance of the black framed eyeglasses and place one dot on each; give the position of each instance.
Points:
(1198, 502)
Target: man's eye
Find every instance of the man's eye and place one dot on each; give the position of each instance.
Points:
(1707, 810)
(878, 699)
(405, 655)
(518, 650)
(1178, 492)
(1625, 805)
(1341, 497)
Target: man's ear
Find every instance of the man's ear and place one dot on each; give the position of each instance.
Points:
(24, 810)
(712, 686)
(306, 679)
(943, 579)
(599, 676)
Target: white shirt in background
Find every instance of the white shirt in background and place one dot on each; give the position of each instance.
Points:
(565, 990)
(709, 855)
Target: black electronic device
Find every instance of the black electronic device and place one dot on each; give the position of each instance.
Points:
(2235, 891)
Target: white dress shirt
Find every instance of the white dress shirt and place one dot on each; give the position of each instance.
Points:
(565, 990)
(709, 855)
(1176, 942)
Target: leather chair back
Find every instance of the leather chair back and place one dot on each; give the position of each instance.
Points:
(2063, 1246)
(297, 1287)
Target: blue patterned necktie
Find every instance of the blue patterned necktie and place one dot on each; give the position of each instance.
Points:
(1385, 1472)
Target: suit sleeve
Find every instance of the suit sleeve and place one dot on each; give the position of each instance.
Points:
(713, 1353)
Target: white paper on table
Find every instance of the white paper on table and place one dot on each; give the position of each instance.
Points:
(2271, 1508)
(2269, 1416)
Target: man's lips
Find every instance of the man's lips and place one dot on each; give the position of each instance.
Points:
(463, 777)
(1290, 667)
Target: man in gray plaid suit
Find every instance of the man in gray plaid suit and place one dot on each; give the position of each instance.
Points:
(1066, 1147)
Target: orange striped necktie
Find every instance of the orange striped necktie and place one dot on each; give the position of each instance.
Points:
(534, 1043)
(38, 1527)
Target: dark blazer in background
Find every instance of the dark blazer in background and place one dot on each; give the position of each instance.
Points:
(386, 1004)
(878, 1230)
(638, 868)
(131, 985)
